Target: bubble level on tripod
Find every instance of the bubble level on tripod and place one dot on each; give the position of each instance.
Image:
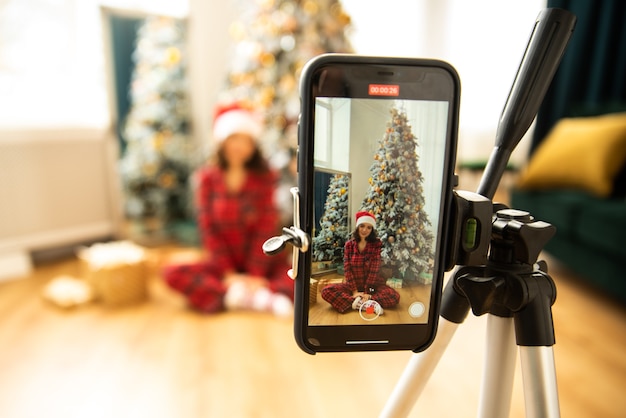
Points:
(469, 236)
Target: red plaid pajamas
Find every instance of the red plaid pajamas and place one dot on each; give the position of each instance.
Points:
(233, 227)
(361, 274)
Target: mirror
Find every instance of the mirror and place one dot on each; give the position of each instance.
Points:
(374, 155)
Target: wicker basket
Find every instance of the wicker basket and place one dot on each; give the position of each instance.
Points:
(121, 282)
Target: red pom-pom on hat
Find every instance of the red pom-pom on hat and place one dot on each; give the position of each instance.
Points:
(364, 217)
(234, 118)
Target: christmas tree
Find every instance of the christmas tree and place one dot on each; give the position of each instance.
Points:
(274, 39)
(333, 232)
(158, 156)
(395, 196)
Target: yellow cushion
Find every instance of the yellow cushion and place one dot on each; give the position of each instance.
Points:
(579, 153)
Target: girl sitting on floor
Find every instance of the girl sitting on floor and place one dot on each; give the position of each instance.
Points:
(236, 214)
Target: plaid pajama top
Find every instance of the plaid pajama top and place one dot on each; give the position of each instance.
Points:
(361, 268)
(233, 226)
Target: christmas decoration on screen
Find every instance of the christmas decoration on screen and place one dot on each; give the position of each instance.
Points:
(329, 241)
(159, 155)
(273, 41)
(396, 196)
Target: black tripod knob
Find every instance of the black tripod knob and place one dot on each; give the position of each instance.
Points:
(481, 292)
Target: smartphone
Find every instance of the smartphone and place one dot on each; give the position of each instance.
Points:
(377, 148)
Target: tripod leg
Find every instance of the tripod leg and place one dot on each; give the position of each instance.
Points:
(541, 396)
(499, 369)
(417, 373)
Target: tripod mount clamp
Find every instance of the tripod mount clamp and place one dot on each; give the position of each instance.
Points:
(293, 235)
(299, 239)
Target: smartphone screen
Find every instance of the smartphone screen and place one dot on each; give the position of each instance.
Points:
(377, 151)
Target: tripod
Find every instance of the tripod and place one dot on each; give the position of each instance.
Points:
(511, 287)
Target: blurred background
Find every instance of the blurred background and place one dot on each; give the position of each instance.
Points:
(91, 89)
(106, 110)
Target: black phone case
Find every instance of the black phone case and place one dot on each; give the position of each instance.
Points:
(305, 182)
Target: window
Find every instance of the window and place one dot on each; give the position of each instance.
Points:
(52, 61)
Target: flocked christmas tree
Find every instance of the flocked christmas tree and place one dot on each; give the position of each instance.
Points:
(158, 157)
(333, 231)
(396, 197)
(274, 39)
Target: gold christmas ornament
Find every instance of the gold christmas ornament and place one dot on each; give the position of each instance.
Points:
(311, 7)
(149, 169)
(267, 59)
(172, 56)
(157, 141)
(290, 24)
(287, 83)
(280, 122)
(267, 96)
(167, 180)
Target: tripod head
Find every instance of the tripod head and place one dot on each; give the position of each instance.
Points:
(517, 237)
(473, 221)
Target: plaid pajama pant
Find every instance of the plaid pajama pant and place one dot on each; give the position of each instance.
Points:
(200, 282)
(340, 296)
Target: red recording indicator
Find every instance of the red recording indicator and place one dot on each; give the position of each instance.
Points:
(384, 90)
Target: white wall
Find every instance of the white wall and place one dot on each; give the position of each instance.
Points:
(57, 189)
(368, 121)
(483, 39)
(210, 55)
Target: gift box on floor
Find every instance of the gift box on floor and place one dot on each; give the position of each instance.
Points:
(116, 272)
(395, 283)
(313, 292)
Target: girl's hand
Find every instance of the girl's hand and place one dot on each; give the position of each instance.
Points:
(256, 282)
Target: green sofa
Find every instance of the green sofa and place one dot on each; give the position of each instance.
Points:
(576, 180)
(591, 234)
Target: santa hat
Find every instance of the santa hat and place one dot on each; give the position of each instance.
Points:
(235, 119)
(364, 217)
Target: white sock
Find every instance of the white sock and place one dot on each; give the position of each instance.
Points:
(236, 296)
(262, 299)
(281, 305)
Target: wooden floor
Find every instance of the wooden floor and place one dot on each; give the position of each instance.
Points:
(161, 360)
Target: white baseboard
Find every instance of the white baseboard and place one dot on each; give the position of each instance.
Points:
(14, 265)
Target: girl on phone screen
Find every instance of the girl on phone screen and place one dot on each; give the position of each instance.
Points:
(361, 261)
